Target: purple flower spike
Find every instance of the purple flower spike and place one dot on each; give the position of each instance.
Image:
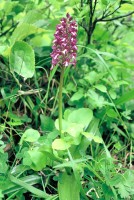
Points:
(64, 44)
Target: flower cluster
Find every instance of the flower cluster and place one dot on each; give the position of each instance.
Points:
(64, 45)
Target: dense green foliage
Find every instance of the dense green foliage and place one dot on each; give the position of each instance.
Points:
(93, 156)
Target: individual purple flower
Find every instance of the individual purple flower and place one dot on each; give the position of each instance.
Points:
(64, 44)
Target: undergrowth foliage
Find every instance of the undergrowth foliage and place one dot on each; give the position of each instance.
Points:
(66, 132)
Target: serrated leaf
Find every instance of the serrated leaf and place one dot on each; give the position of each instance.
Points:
(122, 191)
(22, 59)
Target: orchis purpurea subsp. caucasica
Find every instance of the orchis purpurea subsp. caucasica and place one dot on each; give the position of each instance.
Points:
(64, 52)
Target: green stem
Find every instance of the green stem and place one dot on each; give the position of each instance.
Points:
(60, 99)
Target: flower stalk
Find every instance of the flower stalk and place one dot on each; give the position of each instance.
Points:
(60, 99)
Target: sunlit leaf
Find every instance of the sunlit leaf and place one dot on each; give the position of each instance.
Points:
(60, 144)
(102, 88)
(22, 59)
(30, 135)
(82, 116)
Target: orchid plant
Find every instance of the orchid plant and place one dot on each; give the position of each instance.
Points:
(64, 52)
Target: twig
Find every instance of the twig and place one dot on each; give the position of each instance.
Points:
(114, 18)
(95, 3)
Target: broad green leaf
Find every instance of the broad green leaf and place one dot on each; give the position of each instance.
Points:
(23, 30)
(91, 137)
(65, 124)
(66, 113)
(81, 116)
(111, 113)
(32, 16)
(72, 2)
(38, 159)
(68, 188)
(102, 88)
(47, 124)
(112, 94)
(92, 77)
(22, 59)
(74, 129)
(8, 6)
(98, 139)
(93, 126)
(84, 11)
(105, 2)
(76, 96)
(30, 135)
(60, 144)
(107, 191)
(41, 40)
(127, 7)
